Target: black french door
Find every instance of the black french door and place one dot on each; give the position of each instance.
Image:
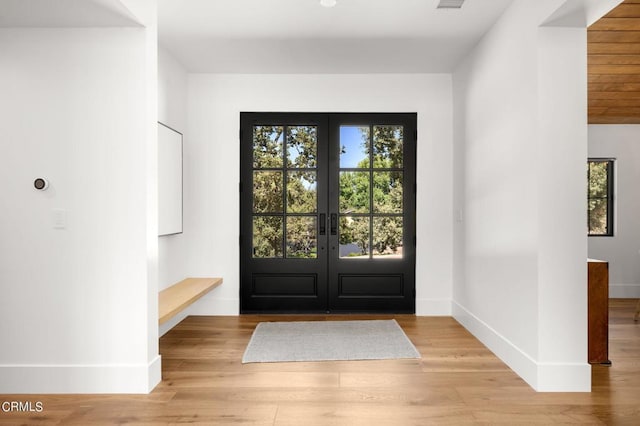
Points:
(327, 212)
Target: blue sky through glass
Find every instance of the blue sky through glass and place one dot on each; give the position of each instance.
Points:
(308, 181)
(352, 149)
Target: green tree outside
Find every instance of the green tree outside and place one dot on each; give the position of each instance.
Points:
(598, 196)
(284, 182)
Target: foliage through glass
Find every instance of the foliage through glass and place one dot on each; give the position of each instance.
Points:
(301, 237)
(281, 170)
(600, 199)
(377, 177)
(285, 191)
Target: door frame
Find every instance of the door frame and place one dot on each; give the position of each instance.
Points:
(326, 297)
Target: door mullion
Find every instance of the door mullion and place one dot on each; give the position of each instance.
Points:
(370, 191)
(308, 282)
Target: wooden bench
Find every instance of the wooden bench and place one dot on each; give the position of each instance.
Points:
(174, 299)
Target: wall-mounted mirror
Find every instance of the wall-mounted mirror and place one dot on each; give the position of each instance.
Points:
(169, 180)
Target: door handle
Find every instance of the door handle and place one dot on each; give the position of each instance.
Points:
(334, 224)
(323, 224)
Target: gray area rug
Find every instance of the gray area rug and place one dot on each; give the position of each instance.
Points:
(328, 341)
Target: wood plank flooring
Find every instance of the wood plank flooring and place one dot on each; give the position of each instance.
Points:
(457, 381)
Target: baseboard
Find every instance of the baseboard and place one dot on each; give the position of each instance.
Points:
(155, 373)
(542, 377)
(433, 307)
(231, 307)
(88, 379)
(204, 306)
(216, 306)
(624, 291)
(164, 328)
(510, 354)
(564, 377)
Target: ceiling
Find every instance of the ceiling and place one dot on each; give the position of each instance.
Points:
(614, 66)
(65, 13)
(356, 36)
(300, 36)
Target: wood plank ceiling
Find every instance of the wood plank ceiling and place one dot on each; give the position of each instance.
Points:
(614, 66)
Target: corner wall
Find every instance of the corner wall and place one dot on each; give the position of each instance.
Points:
(172, 111)
(79, 290)
(622, 251)
(519, 150)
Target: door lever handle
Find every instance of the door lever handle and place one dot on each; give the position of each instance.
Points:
(323, 224)
(334, 224)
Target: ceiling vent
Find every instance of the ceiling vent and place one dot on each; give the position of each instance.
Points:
(450, 4)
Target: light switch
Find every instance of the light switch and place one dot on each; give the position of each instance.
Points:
(59, 218)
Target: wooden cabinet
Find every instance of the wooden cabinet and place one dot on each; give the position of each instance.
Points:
(598, 297)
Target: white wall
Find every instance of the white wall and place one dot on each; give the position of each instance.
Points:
(520, 250)
(622, 251)
(172, 111)
(215, 102)
(76, 303)
(562, 246)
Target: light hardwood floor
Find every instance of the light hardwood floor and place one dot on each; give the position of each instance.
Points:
(457, 381)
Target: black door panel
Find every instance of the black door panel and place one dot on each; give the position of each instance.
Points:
(327, 218)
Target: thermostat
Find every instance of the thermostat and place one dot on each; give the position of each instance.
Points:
(41, 184)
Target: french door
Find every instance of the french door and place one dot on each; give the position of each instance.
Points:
(327, 212)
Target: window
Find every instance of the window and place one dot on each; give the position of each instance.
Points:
(600, 193)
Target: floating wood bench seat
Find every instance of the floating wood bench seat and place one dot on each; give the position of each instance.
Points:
(174, 299)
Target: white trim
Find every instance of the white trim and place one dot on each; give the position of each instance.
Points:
(208, 306)
(564, 377)
(57, 379)
(543, 377)
(433, 307)
(164, 328)
(510, 354)
(154, 373)
(216, 306)
(624, 291)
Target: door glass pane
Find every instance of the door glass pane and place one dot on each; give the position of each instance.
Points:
(301, 192)
(387, 146)
(354, 237)
(354, 147)
(301, 237)
(387, 237)
(387, 192)
(302, 146)
(267, 236)
(354, 192)
(267, 147)
(267, 192)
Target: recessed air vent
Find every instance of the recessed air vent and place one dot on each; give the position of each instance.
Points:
(450, 4)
